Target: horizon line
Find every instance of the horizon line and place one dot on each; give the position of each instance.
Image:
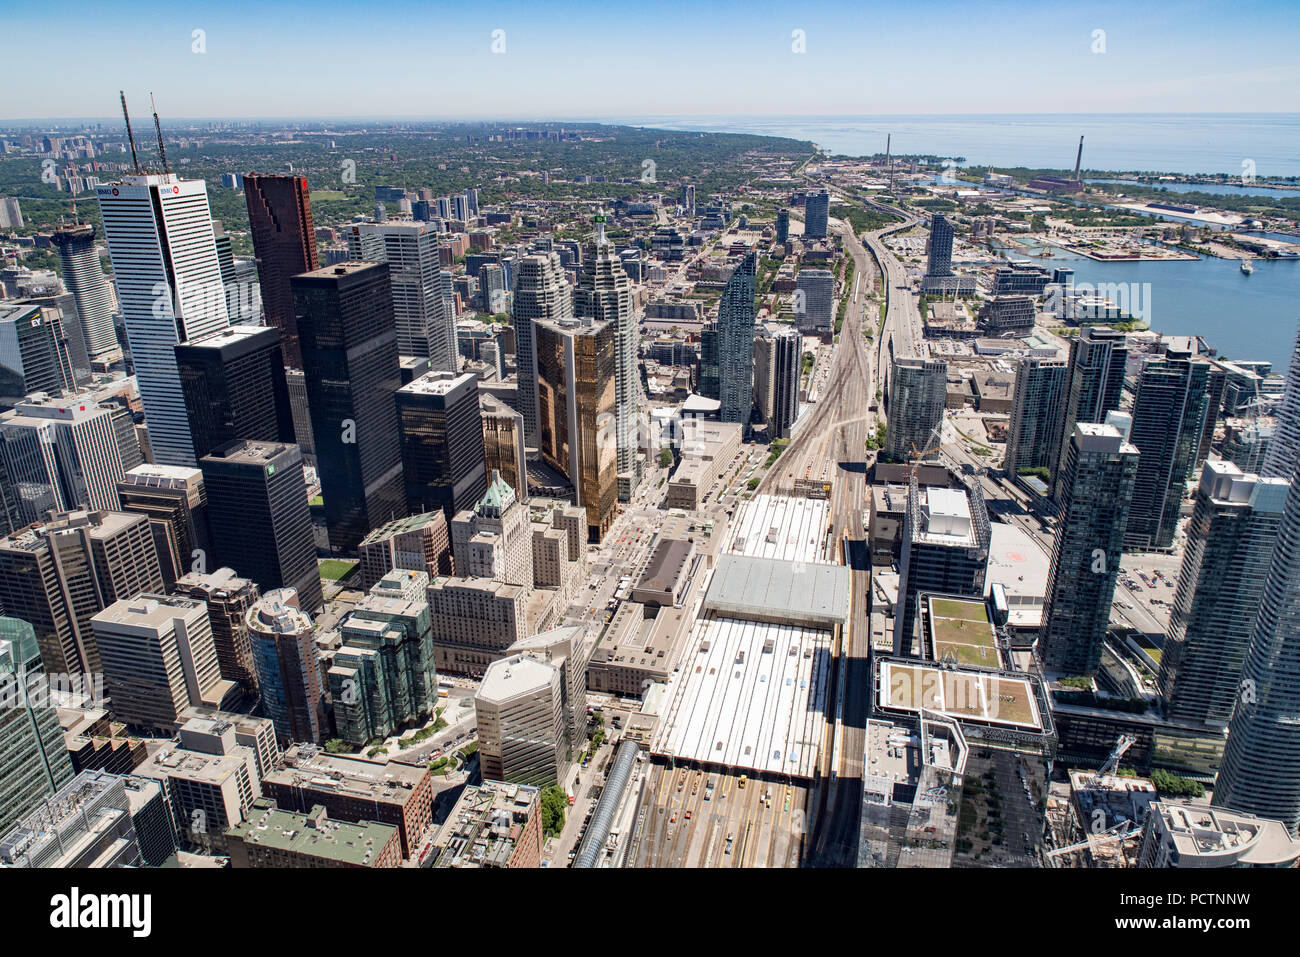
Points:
(608, 119)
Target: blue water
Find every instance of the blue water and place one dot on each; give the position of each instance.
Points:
(1126, 142)
(1218, 189)
(1243, 317)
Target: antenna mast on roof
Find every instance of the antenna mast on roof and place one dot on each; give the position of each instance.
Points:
(162, 153)
(135, 160)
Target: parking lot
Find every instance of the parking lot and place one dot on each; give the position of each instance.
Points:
(1148, 581)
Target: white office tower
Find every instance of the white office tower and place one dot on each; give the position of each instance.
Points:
(159, 232)
(1283, 453)
(541, 292)
(523, 733)
(425, 327)
(89, 287)
(60, 453)
(604, 292)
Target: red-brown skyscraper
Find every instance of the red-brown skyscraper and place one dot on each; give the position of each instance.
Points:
(284, 242)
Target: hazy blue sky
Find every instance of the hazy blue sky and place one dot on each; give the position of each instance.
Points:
(572, 60)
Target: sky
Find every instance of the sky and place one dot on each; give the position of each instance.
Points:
(586, 60)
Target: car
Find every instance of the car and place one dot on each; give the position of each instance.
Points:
(688, 815)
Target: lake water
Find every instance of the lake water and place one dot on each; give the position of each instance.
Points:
(1125, 142)
(1243, 317)
(1214, 189)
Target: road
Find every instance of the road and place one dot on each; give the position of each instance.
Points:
(684, 824)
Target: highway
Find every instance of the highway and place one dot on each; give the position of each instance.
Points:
(685, 824)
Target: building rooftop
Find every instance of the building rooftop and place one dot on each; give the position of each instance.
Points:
(486, 824)
(153, 612)
(666, 563)
(307, 766)
(1202, 831)
(789, 529)
(947, 514)
(250, 452)
(999, 699)
(769, 589)
(959, 630)
(312, 834)
(511, 677)
(439, 383)
(1019, 565)
(163, 476)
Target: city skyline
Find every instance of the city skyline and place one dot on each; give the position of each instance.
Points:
(758, 489)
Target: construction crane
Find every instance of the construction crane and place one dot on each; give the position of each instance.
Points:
(1122, 744)
(915, 456)
(1116, 832)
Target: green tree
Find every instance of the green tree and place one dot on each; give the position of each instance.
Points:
(665, 457)
(554, 803)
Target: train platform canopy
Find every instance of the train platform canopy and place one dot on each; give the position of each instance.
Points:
(782, 592)
(749, 695)
(790, 529)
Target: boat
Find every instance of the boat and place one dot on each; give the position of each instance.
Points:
(1246, 267)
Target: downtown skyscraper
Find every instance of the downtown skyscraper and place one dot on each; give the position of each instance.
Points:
(1168, 415)
(816, 213)
(425, 327)
(165, 266)
(1096, 487)
(284, 241)
(350, 362)
(1230, 541)
(541, 293)
(1260, 773)
(736, 314)
(575, 388)
(235, 387)
(604, 294)
(1094, 384)
(1035, 415)
(917, 393)
(1284, 448)
(89, 287)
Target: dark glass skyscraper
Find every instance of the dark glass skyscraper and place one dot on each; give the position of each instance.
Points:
(736, 342)
(1230, 542)
(260, 520)
(941, 235)
(1168, 414)
(442, 443)
(816, 214)
(1094, 384)
(1096, 487)
(1260, 773)
(709, 385)
(234, 388)
(1035, 415)
(284, 241)
(349, 354)
(34, 761)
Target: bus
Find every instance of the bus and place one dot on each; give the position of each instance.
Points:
(444, 688)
